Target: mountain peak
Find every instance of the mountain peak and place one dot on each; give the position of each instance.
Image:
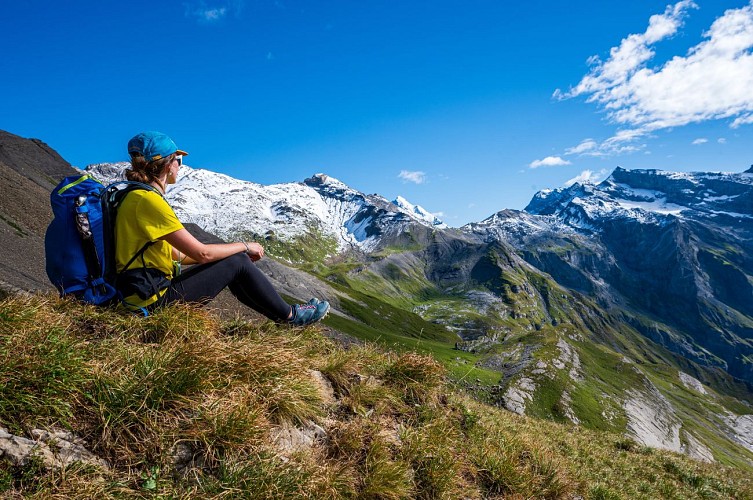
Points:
(417, 211)
(325, 180)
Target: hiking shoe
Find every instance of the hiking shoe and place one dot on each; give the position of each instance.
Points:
(311, 312)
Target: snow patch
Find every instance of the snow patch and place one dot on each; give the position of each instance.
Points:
(659, 206)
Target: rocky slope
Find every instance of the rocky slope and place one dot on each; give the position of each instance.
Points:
(29, 169)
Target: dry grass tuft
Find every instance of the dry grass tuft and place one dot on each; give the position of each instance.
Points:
(420, 378)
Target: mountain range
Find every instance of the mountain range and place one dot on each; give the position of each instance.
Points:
(623, 306)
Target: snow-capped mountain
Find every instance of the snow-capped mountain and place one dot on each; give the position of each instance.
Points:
(675, 247)
(419, 212)
(233, 208)
(654, 196)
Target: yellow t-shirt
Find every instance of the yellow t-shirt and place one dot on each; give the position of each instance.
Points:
(144, 216)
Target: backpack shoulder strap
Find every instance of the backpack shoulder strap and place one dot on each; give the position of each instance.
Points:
(114, 194)
(116, 191)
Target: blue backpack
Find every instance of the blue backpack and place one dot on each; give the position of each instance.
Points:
(79, 243)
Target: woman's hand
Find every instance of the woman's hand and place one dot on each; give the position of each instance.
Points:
(255, 251)
(201, 253)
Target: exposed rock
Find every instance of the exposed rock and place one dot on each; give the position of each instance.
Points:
(512, 362)
(651, 420)
(56, 449)
(186, 457)
(289, 439)
(479, 344)
(742, 429)
(695, 449)
(326, 390)
(569, 356)
(518, 394)
(540, 368)
(692, 383)
(565, 402)
(390, 433)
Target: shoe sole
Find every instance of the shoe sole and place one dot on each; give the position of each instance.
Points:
(323, 316)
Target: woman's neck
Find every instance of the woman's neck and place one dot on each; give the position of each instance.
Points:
(159, 185)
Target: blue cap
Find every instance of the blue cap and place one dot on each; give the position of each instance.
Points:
(153, 146)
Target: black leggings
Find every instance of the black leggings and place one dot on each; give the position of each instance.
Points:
(202, 283)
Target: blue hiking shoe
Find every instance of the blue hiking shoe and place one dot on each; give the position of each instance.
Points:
(311, 312)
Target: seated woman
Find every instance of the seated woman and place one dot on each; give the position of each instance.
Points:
(151, 243)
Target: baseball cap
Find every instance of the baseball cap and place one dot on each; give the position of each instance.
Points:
(153, 146)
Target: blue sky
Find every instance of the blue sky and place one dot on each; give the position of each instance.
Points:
(464, 107)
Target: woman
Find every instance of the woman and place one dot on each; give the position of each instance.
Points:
(151, 243)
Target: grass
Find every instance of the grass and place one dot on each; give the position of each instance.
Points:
(312, 246)
(136, 389)
(461, 365)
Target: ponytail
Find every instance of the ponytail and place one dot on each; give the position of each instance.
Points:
(146, 171)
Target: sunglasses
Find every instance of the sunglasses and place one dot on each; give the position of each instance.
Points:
(179, 159)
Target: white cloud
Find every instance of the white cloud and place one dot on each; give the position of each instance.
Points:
(742, 120)
(586, 146)
(722, 140)
(417, 177)
(700, 140)
(587, 177)
(214, 12)
(549, 161)
(711, 82)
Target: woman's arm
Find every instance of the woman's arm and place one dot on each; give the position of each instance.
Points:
(201, 253)
(182, 258)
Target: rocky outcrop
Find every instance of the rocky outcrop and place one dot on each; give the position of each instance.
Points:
(741, 429)
(55, 448)
(519, 394)
(289, 439)
(652, 420)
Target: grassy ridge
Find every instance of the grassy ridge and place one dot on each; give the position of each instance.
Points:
(134, 388)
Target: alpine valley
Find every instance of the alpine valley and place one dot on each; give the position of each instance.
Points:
(625, 306)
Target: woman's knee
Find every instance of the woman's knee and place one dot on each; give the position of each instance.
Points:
(242, 264)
